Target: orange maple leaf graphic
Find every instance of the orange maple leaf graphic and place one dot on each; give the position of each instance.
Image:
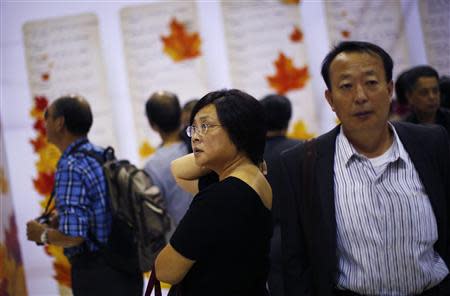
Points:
(41, 102)
(287, 76)
(300, 131)
(45, 76)
(290, 1)
(345, 34)
(181, 45)
(296, 35)
(44, 183)
(4, 187)
(39, 125)
(39, 142)
(146, 149)
(63, 275)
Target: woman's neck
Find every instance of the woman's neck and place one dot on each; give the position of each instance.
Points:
(240, 162)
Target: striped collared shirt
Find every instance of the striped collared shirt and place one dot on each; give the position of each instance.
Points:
(386, 227)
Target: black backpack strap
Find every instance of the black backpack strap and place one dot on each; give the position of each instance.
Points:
(108, 154)
(77, 146)
(101, 159)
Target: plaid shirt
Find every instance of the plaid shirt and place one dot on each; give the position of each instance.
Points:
(82, 198)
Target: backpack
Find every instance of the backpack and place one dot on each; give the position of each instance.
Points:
(139, 218)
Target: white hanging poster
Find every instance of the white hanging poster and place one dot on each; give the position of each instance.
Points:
(267, 55)
(63, 57)
(12, 274)
(163, 51)
(380, 22)
(435, 18)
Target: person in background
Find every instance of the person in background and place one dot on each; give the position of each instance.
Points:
(423, 94)
(444, 89)
(367, 207)
(82, 204)
(221, 246)
(399, 107)
(186, 113)
(185, 117)
(163, 114)
(278, 112)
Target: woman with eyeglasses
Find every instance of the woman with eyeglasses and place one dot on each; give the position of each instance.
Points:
(221, 246)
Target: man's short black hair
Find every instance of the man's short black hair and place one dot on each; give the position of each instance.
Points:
(278, 111)
(76, 112)
(413, 74)
(189, 105)
(242, 116)
(360, 47)
(163, 110)
(444, 88)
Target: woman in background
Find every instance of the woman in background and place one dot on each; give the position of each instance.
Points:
(221, 245)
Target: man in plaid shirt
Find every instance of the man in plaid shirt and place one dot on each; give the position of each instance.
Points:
(82, 205)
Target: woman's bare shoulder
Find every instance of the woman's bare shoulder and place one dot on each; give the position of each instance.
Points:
(255, 179)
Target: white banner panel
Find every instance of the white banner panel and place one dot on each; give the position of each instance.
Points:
(12, 274)
(163, 52)
(267, 55)
(63, 56)
(435, 17)
(380, 22)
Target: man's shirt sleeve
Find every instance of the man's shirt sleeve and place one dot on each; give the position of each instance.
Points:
(71, 200)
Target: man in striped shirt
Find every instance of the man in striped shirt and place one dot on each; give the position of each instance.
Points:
(367, 203)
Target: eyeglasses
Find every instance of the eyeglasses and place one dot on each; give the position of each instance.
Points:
(202, 129)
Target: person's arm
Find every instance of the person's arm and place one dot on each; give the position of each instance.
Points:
(170, 266)
(54, 236)
(72, 207)
(186, 173)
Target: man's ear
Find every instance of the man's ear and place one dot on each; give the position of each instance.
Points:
(390, 87)
(329, 96)
(59, 123)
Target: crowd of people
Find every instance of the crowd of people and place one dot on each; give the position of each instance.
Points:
(360, 210)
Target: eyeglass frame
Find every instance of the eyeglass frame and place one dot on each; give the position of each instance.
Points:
(202, 129)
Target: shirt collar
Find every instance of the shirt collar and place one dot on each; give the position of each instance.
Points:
(348, 152)
(72, 145)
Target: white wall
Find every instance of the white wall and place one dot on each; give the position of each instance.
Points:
(15, 97)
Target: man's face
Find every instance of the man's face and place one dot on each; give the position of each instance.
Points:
(424, 98)
(359, 94)
(52, 124)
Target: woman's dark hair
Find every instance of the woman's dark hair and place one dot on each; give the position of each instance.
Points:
(242, 116)
(360, 47)
(76, 112)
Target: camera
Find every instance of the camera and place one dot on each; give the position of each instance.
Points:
(43, 219)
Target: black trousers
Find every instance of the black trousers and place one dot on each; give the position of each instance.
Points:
(91, 275)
